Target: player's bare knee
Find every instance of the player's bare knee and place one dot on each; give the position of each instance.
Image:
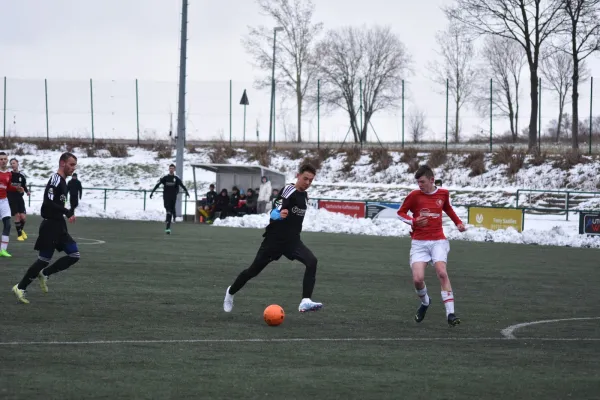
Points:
(441, 274)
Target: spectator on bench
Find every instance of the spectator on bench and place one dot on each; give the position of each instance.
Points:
(251, 202)
(207, 209)
(222, 204)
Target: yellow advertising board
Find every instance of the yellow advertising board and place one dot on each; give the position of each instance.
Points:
(495, 218)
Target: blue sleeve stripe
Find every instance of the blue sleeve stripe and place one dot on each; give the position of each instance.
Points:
(276, 214)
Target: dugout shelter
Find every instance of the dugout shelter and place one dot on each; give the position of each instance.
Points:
(242, 176)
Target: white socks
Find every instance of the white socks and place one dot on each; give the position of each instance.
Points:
(4, 242)
(422, 293)
(448, 298)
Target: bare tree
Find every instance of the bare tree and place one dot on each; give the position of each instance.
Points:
(528, 22)
(416, 125)
(557, 70)
(456, 67)
(582, 39)
(372, 59)
(294, 50)
(505, 60)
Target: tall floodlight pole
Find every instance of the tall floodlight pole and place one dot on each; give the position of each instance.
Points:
(271, 116)
(181, 105)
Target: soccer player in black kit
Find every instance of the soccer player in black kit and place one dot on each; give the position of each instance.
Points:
(16, 200)
(282, 237)
(172, 184)
(53, 233)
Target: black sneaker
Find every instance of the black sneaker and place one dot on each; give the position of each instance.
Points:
(420, 316)
(453, 320)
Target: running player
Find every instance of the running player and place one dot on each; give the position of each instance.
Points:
(429, 244)
(53, 233)
(16, 201)
(172, 184)
(282, 237)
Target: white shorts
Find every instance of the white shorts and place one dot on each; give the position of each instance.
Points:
(429, 251)
(4, 208)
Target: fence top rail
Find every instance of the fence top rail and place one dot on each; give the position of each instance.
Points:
(111, 189)
(555, 191)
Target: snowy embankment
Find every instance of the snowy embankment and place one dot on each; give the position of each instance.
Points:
(141, 169)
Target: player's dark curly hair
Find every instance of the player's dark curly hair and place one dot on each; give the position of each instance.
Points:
(65, 156)
(307, 168)
(424, 170)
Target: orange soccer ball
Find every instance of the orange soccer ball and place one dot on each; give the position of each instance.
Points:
(274, 315)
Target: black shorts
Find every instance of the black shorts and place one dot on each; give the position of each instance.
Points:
(53, 235)
(170, 203)
(272, 250)
(17, 205)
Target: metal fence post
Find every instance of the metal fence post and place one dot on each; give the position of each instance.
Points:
(591, 101)
(4, 107)
(47, 122)
(92, 110)
(491, 111)
(402, 113)
(137, 111)
(447, 99)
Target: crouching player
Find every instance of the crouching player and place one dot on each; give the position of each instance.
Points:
(429, 244)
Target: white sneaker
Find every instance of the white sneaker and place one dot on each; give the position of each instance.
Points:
(228, 302)
(309, 305)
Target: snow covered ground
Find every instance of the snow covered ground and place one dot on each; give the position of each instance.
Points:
(127, 178)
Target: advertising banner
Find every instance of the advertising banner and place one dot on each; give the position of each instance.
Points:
(495, 218)
(382, 210)
(354, 209)
(589, 223)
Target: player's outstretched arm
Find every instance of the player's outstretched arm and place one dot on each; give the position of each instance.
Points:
(160, 182)
(449, 210)
(404, 209)
(180, 183)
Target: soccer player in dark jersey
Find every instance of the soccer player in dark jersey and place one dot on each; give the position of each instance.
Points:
(53, 233)
(16, 201)
(282, 237)
(171, 183)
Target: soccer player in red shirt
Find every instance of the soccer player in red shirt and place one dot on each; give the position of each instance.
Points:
(5, 186)
(429, 244)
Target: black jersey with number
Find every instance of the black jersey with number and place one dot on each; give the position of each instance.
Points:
(18, 180)
(55, 197)
(295, 202)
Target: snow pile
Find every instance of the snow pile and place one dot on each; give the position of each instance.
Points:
(324, 221)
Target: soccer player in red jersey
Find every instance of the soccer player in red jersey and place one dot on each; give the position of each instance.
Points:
(429, 244)
(5, 185)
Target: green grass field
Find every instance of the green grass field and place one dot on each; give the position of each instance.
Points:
(140, 316)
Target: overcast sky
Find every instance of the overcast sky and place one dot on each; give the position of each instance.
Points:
(122, 40)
